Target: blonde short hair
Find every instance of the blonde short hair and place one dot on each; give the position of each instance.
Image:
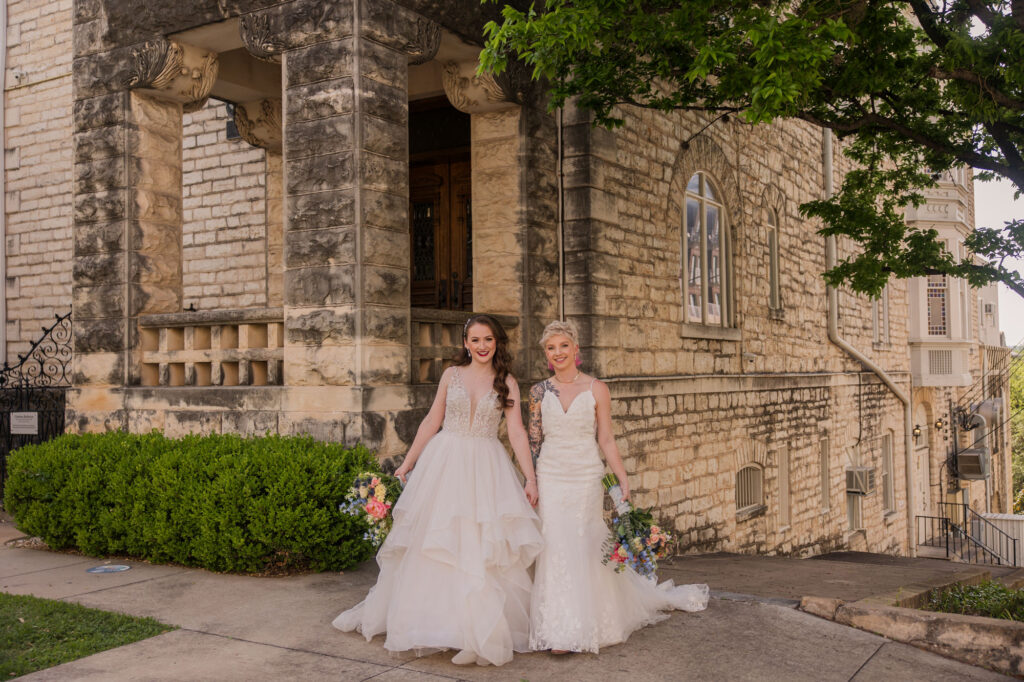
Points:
(565, 328)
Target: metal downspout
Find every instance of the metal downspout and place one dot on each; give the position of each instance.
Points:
(834, 337)
(3, 184)
(560, 163)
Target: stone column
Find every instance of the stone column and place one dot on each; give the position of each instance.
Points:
(127, 210)
(346, 257)
(501, 195)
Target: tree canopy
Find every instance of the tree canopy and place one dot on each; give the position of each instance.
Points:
(914, 88)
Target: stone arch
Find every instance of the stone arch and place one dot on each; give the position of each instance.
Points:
(752, 452)
(704, 155)
(772, 199)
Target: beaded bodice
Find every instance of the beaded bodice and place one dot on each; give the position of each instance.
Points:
(461, 417)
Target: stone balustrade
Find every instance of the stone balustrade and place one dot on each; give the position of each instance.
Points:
(215, 348)
(437, 338)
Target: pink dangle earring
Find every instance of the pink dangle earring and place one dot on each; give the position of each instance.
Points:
(551, 368)
(579, 359)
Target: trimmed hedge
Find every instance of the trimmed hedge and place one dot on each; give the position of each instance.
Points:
(221, 502)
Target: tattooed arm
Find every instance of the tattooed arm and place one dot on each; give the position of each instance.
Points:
(536, 423)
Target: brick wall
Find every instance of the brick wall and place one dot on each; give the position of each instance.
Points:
(38, 168)
(224, 241)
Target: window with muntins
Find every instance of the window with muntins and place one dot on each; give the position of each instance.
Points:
(705, 271)
(937, 305)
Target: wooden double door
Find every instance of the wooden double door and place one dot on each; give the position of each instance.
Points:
(441, 234)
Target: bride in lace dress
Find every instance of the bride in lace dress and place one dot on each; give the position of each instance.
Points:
(579, 603)
(454, 569)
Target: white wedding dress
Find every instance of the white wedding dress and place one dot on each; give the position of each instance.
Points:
(453, 570)
(580, 604)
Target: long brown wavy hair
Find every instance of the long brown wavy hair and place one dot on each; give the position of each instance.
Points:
(502, 359)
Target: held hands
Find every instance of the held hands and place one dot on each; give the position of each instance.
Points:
(531, 492)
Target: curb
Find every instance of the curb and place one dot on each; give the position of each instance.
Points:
(986, 642)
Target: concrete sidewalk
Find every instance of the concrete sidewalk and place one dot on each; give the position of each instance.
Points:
(242, 628)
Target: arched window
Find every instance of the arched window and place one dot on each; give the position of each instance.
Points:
(749, 488)
(772, 228)
(705, 271)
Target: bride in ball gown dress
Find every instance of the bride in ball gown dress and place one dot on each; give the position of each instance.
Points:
(454, 568)
(579, 603)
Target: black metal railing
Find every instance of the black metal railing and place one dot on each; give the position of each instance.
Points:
(33, 392)
(933, 531)
(967, 536)
(984, 532)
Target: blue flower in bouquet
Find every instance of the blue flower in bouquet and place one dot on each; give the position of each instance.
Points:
(370, 499)
(635, 540)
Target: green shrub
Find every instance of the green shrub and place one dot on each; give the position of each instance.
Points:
(989, 599)
(221, 502)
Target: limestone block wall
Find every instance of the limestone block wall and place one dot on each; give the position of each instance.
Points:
(224, 197)
(37, 110)
(694, 408)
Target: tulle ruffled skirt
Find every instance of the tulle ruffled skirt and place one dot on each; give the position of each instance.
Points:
(453, 570)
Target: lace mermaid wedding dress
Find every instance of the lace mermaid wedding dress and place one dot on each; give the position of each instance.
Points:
(453, 570)
(580, 604)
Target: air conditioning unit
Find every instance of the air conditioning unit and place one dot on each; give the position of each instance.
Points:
(860, 480)
(973, 464)
(991, 410)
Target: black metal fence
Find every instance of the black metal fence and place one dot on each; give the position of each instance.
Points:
(966, 535)
(33, 392)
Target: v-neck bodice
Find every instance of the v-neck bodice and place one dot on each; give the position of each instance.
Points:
(464, 418)
(577, 423)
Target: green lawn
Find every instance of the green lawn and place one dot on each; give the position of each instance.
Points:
(40, 633)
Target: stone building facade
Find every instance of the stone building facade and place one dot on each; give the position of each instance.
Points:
(274, 216)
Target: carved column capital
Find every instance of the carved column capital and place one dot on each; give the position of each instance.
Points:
(424, 41)
(483, 93)
(261, 38)
(173, 71)
(390, 24)
(259, 123)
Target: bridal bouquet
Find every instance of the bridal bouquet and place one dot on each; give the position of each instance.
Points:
(371, 498)
(635, 541)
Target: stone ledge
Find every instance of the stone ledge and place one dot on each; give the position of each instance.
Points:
(210, 317)
(987, 642)
(457, 317)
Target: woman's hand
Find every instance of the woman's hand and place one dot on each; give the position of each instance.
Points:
(402, 472)
(531, 492)
(624, 486)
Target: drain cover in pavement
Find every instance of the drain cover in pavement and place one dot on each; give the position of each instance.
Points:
(112, 568)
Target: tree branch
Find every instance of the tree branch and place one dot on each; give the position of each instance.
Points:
(926, 17)
(967, 76)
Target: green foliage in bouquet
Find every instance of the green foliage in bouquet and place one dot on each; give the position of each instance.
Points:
(370, 499)
(635, 540)
(221, 502)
